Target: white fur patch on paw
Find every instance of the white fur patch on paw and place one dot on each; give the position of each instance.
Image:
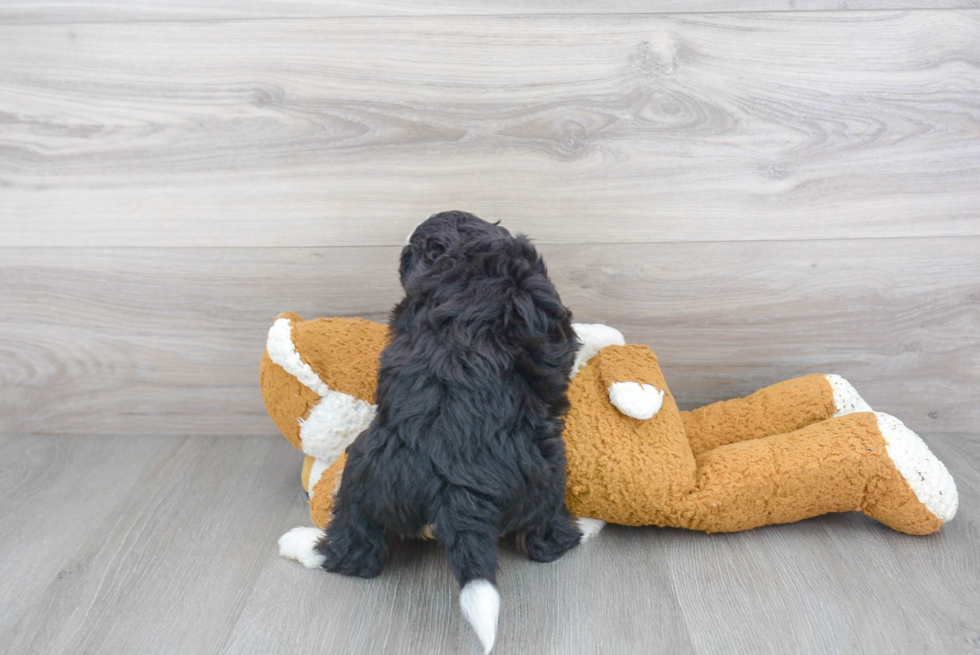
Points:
(592, 338)
(589, 527)
(640, 401)
(931, 483)
(846, 398)
(300, 544)
(480, 603)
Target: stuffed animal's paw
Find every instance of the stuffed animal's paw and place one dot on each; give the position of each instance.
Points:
(846, 398)
(300, 544)
(640, 401)
(928, 477)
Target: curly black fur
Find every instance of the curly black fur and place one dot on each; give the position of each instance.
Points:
(471, 389)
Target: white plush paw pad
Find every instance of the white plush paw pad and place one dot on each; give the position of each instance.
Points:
(480, 603)
(927, 476)
(640, 401)
(300, 544)
(589, 527)
(846, 398)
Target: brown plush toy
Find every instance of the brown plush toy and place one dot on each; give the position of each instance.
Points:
(794, 450)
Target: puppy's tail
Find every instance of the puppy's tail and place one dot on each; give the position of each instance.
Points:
(481, 606)
(472, 553)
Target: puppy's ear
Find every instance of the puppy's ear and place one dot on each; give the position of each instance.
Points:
(527, 250)
(539, 310)
(433, 248)
(539, 328)
(425, 248)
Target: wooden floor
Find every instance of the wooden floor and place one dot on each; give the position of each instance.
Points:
(149, 544)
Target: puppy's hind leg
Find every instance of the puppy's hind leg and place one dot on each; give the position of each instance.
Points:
(352, 544)
(550, 539)
(466, 528)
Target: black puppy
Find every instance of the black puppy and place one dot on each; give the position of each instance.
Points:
(467, 442)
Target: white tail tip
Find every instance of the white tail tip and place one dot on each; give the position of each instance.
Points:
(589, 527)
(300, 544)
(481, 605)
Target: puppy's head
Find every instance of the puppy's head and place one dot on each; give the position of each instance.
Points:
(439, 235)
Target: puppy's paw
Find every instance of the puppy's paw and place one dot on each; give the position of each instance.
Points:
(364, 561)
(300, 544)
(548, 542)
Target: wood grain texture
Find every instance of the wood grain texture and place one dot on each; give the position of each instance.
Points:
(167, 564)
(168, 340)
(185, 560)
(53, 492)
(53, 11)
(577, 129)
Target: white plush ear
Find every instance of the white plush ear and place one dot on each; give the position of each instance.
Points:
(592, 338)
(640, 401)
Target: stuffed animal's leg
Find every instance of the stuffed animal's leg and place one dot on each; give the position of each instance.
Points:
(777, 409)
(627, 453)
(863, 461)
(321, 484)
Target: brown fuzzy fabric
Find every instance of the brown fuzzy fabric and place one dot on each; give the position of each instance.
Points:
(621, 469)
(837, 465)
(780, 408)
(753, 461)
(324, 491)
(286, 399)
(776, 456)
(326, 345)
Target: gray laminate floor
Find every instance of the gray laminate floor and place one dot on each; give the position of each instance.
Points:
(149, 544)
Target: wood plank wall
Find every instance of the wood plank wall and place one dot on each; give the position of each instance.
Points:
(754, 194)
